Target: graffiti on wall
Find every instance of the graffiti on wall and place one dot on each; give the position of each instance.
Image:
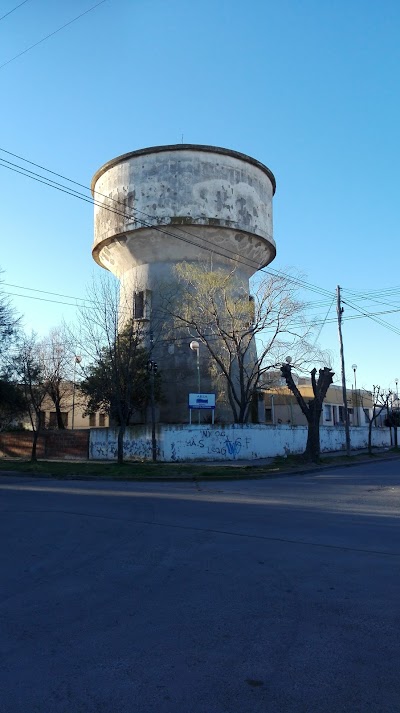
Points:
(211, 444)
(104, 446)
(231, 443)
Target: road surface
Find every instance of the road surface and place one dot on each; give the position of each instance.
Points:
(272, 596)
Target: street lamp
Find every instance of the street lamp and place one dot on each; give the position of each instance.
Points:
(396, 381)
(77, 360)
(195, 347)
(354, 367)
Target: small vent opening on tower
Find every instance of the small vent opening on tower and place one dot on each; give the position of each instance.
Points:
(141, 304)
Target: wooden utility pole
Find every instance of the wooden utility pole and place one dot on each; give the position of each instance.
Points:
(152, 369)
(339, 310)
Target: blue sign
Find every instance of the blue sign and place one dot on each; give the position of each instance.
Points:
(197, 401)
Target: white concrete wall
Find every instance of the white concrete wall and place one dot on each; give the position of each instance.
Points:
(230, 443)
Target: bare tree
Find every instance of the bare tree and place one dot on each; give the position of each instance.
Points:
(115, 346)
(29, 371)
(9, 321)
(380, 401)
(313, 408)
(245, 335)
(58, 357)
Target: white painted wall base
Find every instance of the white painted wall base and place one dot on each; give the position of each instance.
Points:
(229, 443)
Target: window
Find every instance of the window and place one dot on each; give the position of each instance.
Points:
(138, 305)
(142, 304)
(92, 420)
(268, 415)
(102, 420)
(366, 415)
(327, 412)
(341, 414)
(53, 419)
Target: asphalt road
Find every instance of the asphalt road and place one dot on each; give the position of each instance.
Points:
(269, 596)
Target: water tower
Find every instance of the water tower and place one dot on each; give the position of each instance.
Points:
(166, 204)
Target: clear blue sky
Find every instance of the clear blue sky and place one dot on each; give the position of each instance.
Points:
(309, 88)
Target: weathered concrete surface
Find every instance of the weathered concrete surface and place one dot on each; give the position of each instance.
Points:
(226, 443)
(261, 596)
(228, 193)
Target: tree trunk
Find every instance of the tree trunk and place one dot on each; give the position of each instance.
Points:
(60, 422)
(34, 446)
(233, 405)
(120, 451)
(370, 438)
(313, 448)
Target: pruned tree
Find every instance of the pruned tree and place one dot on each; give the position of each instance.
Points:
(311, 409)
(30, 374)
(380, 401)
(245, 335)
(116, 349)
(393, 421)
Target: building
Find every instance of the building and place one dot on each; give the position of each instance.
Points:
(277, 405)
(73, 406)
(161, 206)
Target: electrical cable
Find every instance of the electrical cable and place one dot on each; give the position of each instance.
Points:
(232, 256)
(294, 324)
(136, 210)
(51, 34)
(13, 10)
(302, 283)
(382, 322)
(55, 184)
(44, 292)
(324, 322)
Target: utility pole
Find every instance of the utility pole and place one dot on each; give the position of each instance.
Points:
(152, 369)
(339, 310)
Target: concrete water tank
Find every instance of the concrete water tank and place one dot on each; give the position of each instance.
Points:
(163, 205)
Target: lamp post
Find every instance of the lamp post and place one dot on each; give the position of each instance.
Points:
(195, 347)
(354, 367)
(77, 360)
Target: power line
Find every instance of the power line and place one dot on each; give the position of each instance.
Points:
(13, 10)
(77, 194)
(91, 303)
(302, 283)
(85, 299)
(51, 33)
(382, 322)
(44, 292)
(75, 297)
(232, 256)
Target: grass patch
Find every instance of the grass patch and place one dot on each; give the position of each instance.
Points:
(131, 470)
(136, 470)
